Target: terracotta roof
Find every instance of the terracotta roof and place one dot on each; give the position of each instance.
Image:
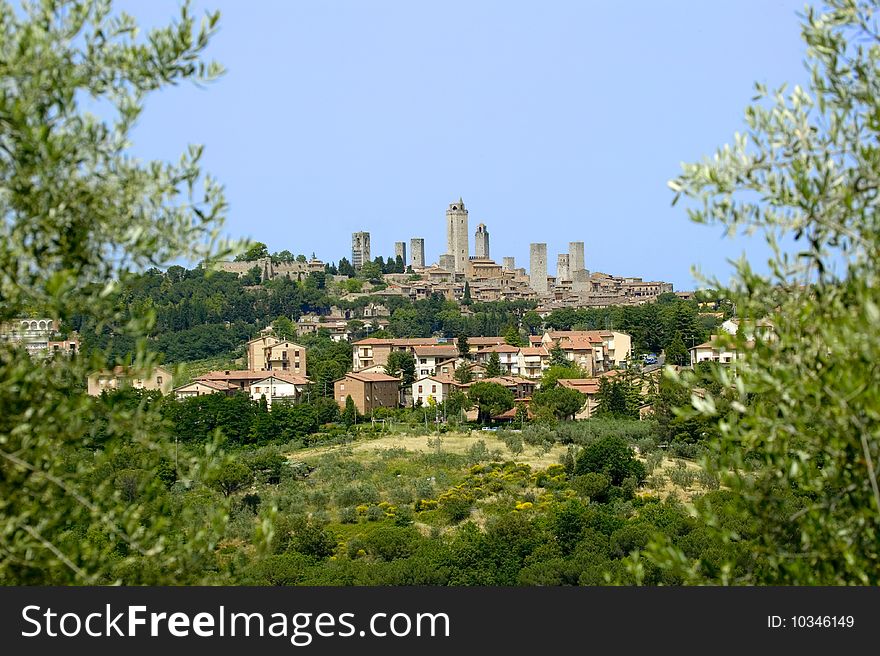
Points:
(408, 341)
(534, 350)
(234, 374)
(582, 385)
(500, 348)
(286, 377)
(443, 350)
(445, 380)
(579, 343)
(485, 341)
(220, 385)
(372, 378)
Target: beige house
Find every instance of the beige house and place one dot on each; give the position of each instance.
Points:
(279, 386)
(533, 361)
(202, 387)
(374, 350)
(589, 387)
(268, 353)
(122, 377)
(285, 356)
(256, 351)
(368, 391)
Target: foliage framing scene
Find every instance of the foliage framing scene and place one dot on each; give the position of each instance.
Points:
(760, 470)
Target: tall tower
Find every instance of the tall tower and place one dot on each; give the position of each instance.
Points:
(580, 277)
(563, 271)
(538, 267)
(575, 256)
(400, 251)
(417, 252)
(481, 242)
(509, 263)
(457, 241)
(360, 249)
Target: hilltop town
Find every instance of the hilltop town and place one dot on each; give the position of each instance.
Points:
(464, 274)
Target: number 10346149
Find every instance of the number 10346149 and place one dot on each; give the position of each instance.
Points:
(811, 622)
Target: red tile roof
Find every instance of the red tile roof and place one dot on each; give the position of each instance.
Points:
(286, 377)
(582, 385)
(372, 378)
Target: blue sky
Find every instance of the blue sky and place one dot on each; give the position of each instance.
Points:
(555, 121)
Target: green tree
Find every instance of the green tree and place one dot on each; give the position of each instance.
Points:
(512, 336)
(563, 402)
(677, 352)
(614, 399)
(490, 399)
(255, 251)
(553, 374)
(805, 400)
(609, 455)
(284, 328)
(558, 357)
(464, 348)
(350, 413)
(80, 217)
(345, 268)
(463, 374)
(532, 322)
(402, 364)
(232, 477)
(493, 365)
(466, 296)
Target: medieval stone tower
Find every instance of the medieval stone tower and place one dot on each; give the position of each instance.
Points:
(538, 267)
(400, 251)
(509, 263)
(562, 268)
(481, 242)
(417, 252)
(457, 242)
(360, 249)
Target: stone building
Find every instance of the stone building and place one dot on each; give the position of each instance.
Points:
(417, 252)
(481, 242)
(538, 267)
(360, 249)
(457, 240)
(400, 251)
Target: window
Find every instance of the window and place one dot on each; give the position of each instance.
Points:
(342, 387)
(158, 380)
(423, 361)
(420, 389)
(433, 389)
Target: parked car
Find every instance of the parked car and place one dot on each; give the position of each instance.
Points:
(649, 358)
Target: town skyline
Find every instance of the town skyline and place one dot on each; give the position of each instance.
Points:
(548, 123)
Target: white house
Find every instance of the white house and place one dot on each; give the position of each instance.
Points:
(437, 388)
(278, 386)
(711, 351)
(508, 357)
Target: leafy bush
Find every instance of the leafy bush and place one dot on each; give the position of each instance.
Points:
(610, 455)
